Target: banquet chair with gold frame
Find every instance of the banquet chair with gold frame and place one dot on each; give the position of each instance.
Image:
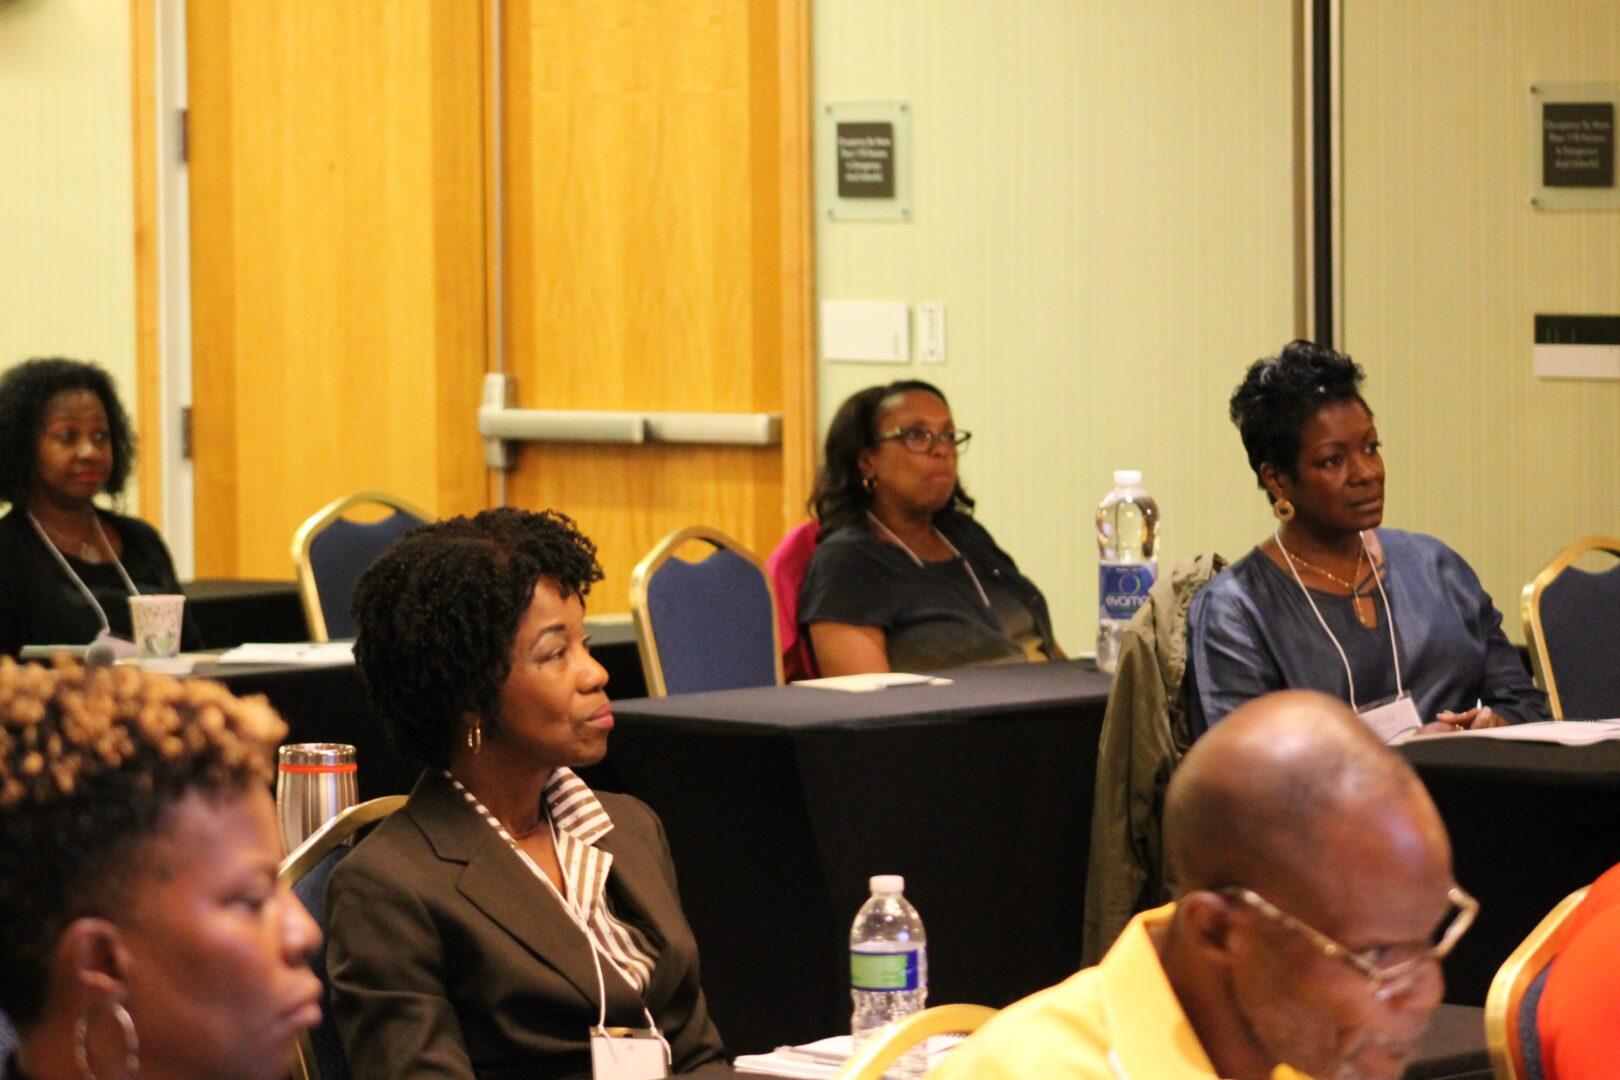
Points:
(705, 625)
(330, 552)
(1510, 1006)
(876, 1056)
(1572, 628)
(305, 871)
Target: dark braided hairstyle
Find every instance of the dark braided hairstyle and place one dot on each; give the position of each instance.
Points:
(437, 614)
(1280, 393)
(25, 390)
(92, 760)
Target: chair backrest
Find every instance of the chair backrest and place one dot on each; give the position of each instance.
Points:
(787, 566)
(1510, 1006)
(876, 1056)
(331, 552)
(8, 1038)
(707, 625)
(1572, 625)
(320, 1050)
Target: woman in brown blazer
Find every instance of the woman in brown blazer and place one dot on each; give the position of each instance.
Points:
(488, 927)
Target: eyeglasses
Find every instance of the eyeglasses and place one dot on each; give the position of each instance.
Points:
(921, 440)
(1391, 970)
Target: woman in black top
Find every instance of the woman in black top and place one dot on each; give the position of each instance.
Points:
(67, 567)
(903, 578)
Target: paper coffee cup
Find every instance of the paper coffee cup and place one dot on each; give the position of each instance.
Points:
(155, 621)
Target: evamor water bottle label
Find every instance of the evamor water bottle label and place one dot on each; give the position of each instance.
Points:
(883, 971)
(1121, 589)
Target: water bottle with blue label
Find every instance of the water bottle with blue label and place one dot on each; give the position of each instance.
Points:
(888, 968)
(1127, 545)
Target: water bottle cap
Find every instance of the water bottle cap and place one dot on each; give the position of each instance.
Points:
(1127, 477)
(887, 883)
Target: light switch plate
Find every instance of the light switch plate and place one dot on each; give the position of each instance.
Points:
(931, 332)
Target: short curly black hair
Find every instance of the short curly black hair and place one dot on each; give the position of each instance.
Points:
(1280, 393)
(839, 497)
(92, 762)
(25, 390)
(437, 613)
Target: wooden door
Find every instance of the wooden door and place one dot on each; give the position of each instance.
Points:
(657, 256)
(338, 262)
(657, 181)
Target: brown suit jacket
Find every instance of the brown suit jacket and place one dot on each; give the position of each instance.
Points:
(449, 958)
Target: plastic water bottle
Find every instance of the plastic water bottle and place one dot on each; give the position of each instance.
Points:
(1127, 540)
(888, 968)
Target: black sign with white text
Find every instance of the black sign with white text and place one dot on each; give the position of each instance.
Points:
(865, 160)
(1577, 144)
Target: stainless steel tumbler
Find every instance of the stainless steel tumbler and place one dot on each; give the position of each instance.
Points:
(316, 782)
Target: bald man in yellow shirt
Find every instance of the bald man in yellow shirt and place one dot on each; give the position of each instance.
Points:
(1314, 903)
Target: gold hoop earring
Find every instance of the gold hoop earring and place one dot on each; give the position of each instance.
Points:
(1283, 509)
(126, 1026)
(475, 736)
(869, 484)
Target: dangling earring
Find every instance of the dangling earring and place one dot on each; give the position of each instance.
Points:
(1283, 509)
(132, 1044)
(475, 736)
(869, 484)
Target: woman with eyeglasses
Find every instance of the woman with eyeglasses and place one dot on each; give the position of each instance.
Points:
(903, 578)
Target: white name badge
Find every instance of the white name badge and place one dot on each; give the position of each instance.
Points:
(1392, 719)
(627, 1054)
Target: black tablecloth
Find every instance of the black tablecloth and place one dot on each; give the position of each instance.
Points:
(781, 802)
(1530, 823)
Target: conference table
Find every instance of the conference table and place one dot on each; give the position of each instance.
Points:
(780, 802)
(1530, 823)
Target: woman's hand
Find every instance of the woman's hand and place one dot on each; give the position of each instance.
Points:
(1472, 720)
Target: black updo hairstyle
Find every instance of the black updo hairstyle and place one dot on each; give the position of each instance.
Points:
(437, 613)
(25, 390)
(839, 496)
(1279, 394)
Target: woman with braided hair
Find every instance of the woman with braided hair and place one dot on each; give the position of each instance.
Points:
(142, 930)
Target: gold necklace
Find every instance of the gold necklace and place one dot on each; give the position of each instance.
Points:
(1355, 590)
(87, 551)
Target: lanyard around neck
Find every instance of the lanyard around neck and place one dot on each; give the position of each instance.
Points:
(946, 540)
(106, 627)
(1389, 614)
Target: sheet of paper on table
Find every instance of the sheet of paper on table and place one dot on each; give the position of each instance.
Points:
(872, 680)
(825, 1057)
(315, 654)
(1562, 732)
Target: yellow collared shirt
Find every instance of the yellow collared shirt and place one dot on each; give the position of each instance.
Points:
(1119, 1020)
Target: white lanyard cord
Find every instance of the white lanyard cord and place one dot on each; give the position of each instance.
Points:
(947, 541)
(596, 956)
(106, 627)
(1389, 614)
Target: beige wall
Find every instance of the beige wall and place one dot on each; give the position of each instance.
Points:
(67, 274)
(1446, 265)
(1104, 202)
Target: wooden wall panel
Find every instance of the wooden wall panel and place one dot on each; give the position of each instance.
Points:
(338, 259)
(657, 258)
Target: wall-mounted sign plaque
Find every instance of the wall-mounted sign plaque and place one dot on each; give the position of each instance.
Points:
(863, 162)
(1572, 140)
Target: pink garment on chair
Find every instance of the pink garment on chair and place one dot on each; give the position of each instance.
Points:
(787, 566)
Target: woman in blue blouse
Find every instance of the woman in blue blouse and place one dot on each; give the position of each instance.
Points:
(1394, 622)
